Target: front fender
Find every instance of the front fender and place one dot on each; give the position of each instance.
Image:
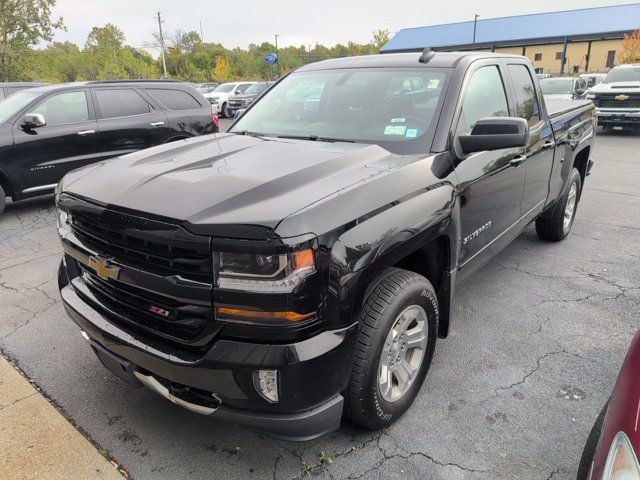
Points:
(377, 242)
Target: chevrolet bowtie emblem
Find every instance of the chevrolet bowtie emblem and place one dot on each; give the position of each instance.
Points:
(103, 269)
(622, 97)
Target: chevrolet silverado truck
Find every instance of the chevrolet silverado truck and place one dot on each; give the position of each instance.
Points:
(617, 98)
(302, 266)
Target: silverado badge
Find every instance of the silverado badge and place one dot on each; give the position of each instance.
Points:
(103, 269)
(622, 97)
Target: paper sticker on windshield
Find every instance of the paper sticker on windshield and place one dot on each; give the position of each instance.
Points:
(411, 133)
(395, 130)
(433, 83)
(398, 120)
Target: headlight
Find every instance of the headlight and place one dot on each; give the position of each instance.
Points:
(591, 96)
(248, 101)
(63, 220)
(622, 463)
(279, 273)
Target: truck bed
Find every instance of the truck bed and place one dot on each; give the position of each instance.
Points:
(559, 108)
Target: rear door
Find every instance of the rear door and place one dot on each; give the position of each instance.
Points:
(489, 183)
(188, 113)
(540, 149)
(67, 141)
(127, 121)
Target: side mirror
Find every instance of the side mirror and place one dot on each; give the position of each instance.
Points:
(496, 133)
(238, 92)
(34, 120)
(240, 112)
(580, 92)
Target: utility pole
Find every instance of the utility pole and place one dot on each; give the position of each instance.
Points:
(278, 56)
(475, 24)
(164, 63)
(206, 62)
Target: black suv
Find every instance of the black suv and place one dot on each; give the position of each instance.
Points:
(10, 88)
(47, 131)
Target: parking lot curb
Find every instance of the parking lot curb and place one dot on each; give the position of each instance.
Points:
(37, 441)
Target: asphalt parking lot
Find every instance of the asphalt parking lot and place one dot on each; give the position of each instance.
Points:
(538, 337)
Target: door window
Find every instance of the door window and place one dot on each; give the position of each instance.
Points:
(526, 102)
(485, 97)
(115, 103)
(174, 99)
(65, 108)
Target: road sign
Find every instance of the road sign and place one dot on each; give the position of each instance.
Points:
(271, 58)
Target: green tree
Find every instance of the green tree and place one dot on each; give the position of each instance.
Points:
(23, 23)
(108, 37)
(380, 38)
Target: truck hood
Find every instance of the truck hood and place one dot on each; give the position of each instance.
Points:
(234, 185)
(616, 87)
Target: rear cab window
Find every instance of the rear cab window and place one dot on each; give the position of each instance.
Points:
(525, 94)
(174, 99)
(120, 102)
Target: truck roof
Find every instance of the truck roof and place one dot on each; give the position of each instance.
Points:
(439, 60)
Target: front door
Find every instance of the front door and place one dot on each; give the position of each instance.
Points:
(127, 121)
(489, 183)
(67, 141)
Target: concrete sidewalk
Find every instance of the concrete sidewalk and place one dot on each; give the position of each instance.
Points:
(37, 442)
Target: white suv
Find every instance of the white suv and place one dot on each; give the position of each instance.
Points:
(218, 98)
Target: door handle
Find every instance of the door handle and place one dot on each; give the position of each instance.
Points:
(82, 133)
(156, 124)
(548, 144)
(517, 160)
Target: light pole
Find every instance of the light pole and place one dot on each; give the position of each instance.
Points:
(277, 56)
(475, 24)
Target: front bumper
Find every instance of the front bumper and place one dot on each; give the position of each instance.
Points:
(609, 116)
(312, 373)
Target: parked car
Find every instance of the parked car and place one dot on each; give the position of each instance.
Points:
(566, 88)
(206, 88)
(219, 97)
(613, 447)
(10, 88)
(593, 78)
(242, 101)
(47, 131)
(617, 98)
(304, 264)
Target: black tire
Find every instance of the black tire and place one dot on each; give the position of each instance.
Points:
(3, 200)
(224, 110)
(553, 228)
(590, 447)
(389, 295)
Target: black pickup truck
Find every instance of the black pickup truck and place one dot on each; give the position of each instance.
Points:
(302, 265)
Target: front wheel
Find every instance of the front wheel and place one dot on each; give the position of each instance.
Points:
(3, 200)
(558, 225)
(398, 326)
(225, 110)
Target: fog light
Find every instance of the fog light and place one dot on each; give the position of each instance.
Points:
(266, 383)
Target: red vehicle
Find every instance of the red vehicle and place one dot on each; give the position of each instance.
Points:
(613, 446)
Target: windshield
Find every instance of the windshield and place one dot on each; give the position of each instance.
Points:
(623, 75)
(14, 103)
(205, 88)
(225, 87)
(395, 108)
(554, 86)
(256, 88)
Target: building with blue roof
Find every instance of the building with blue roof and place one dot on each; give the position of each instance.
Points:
(571, 41)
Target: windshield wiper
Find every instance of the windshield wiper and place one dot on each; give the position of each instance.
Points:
(251, 134)
(315, 138)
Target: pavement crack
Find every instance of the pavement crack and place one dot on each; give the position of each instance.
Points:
(534, 370)
(17, 401)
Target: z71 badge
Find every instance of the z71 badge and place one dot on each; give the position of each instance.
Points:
(475, 233)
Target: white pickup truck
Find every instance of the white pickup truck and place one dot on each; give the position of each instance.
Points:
(617, 98)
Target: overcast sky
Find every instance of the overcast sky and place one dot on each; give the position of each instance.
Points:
(298, 22)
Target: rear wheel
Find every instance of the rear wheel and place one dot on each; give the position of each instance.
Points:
(398, 326)
(225, 110)
(3, 200)
(558, 225)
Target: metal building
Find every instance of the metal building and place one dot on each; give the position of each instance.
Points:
(572, 41)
